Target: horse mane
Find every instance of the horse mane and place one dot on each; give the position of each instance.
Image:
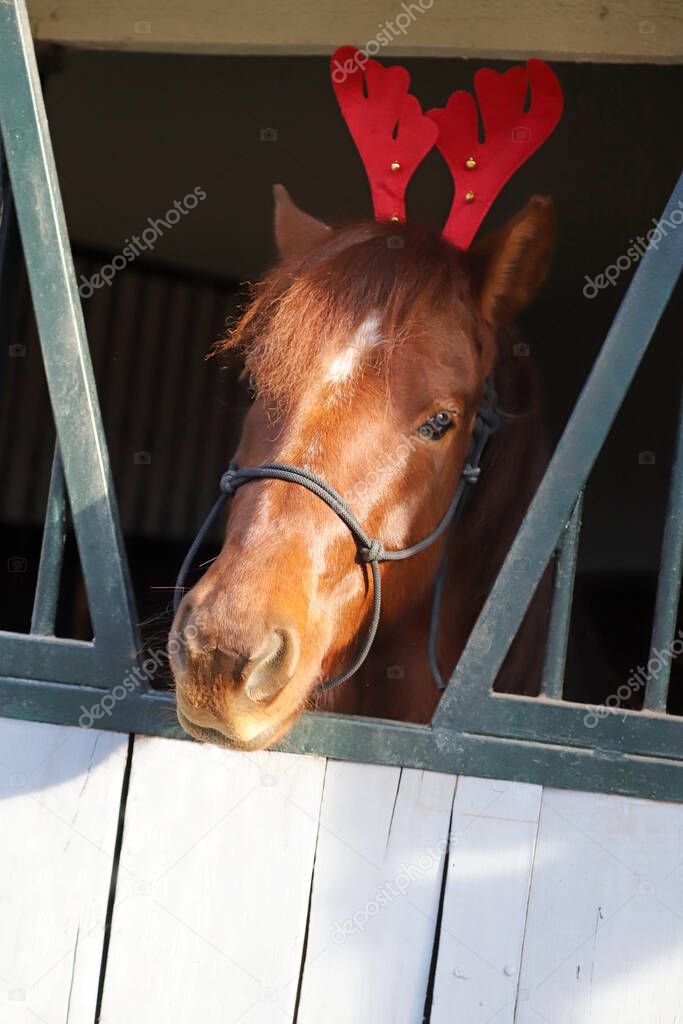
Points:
(310, 305)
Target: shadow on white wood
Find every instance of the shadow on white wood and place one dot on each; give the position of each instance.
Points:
(60, 791)
(375, 898)
(604, 936)
(221, 847)
(493, 836)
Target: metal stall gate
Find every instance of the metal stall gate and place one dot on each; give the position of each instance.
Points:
(474, 730)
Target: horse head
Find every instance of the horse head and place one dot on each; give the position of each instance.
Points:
(368, 349)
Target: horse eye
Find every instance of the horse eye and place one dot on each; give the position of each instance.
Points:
(436, 426)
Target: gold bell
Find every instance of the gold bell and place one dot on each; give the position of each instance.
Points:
(469, 197)
(395, 165)
(471, 163)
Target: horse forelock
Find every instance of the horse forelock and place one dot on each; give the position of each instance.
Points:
(321, 318)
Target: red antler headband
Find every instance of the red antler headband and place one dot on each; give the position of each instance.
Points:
(393, 136)
(391, 133)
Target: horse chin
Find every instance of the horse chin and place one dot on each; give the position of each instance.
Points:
(222, 735)
(240, 723)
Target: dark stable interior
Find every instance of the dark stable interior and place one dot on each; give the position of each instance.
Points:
(133, 133)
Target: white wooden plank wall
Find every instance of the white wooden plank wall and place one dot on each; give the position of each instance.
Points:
(60, 792)
(376, 891)
(558, 907)
(220, 845)
(493, 838)
(604, 934)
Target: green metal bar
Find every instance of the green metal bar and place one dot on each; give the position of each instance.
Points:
(372, 741)
(552, 682)
(51, 553)
(584, 436)
(6, 209)
(63, 341)
(9, 268)
(668, 583)
(576, 725)
(51, 658)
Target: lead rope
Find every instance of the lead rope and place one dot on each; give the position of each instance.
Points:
(370, 551)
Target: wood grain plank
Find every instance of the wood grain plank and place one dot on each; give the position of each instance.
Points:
(609, 30)
(493, 835)
(221, 846)
(375, 894)
(605, 925)
(60, 791)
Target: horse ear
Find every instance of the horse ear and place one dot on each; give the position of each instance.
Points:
(295, 231)
(511, 264)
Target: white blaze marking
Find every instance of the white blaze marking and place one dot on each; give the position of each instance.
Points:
(345, 363)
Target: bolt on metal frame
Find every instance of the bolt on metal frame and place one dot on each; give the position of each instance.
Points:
(474, 730)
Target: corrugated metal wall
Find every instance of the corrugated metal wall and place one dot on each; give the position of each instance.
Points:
(171, 417)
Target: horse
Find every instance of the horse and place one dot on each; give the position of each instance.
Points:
(368, 348)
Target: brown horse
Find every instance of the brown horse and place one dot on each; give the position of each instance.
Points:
(359, 337)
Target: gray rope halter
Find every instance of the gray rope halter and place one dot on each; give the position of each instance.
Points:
(370, 551)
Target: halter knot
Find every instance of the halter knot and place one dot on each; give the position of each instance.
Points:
(227, 484)
(372, 553)
(471, 473)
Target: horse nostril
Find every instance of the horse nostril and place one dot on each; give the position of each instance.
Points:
(272, 667)
(178, 641)
(261, 674)
(230, 664)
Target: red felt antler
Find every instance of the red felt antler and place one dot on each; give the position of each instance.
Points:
(480, 170)
(391, 133)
